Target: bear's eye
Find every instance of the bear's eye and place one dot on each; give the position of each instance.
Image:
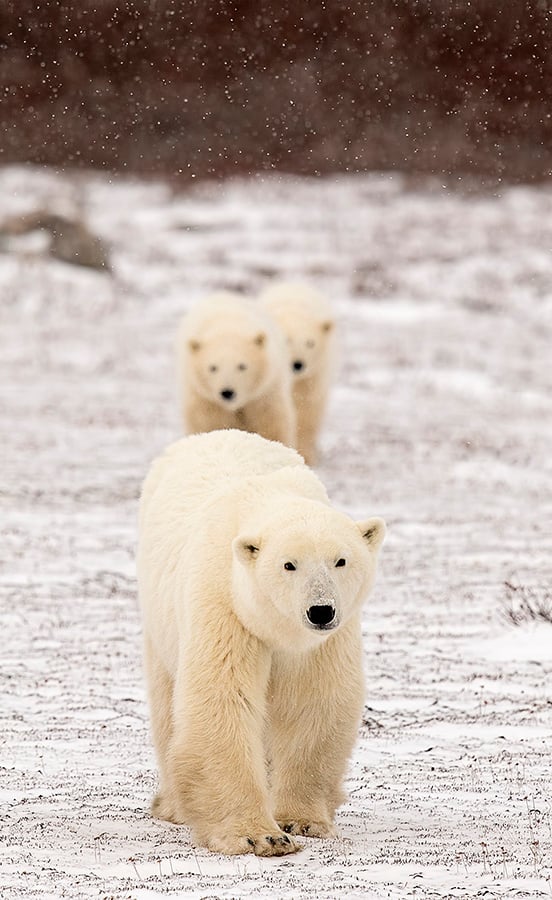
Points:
(310, 344)
(289, 567)
(339, 563)
(242, 367)
(213, 368)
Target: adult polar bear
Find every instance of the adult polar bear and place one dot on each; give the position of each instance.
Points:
(231, 358)
(251, 587)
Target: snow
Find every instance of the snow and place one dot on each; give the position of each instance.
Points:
(534, 644)
(440, 421)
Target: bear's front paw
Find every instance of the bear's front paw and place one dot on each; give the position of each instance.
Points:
(273, 844)
(276, 844)
(307, 828)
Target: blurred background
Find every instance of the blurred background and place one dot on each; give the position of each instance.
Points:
(207, 89)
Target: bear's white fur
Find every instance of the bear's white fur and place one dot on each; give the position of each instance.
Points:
(251, 587)
(306, 319)
(232, 371)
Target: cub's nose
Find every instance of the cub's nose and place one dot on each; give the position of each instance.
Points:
(228, 394)
(298, 365)
(321, 616)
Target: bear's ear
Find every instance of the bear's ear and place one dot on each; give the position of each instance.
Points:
(194, 345)
(246, 549)
(373, 531)
(259, 339)
(327, 325)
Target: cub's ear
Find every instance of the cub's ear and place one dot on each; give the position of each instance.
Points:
(259, 339)
(327, 325)
(246, 549)
(373, 531)
(194, 345)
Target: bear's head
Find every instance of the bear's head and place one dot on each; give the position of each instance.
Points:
(308, 340)
(228, 368)
(302, 574)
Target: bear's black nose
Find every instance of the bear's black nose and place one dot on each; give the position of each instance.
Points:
(298, 365)
(321, 616)
(228, 394)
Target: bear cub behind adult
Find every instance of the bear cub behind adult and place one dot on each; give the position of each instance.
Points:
(251, 587)
(307, 321)
(232, 370)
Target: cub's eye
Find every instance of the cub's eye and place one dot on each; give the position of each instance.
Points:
(289, 566)
(242, 367)
(339, 563)
(309, 344)
(213, 368)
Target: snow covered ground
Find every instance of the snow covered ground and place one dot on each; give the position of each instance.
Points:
(440, 420)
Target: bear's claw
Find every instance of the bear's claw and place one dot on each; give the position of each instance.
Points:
(308, 829)
(272, 845)
(161, 808)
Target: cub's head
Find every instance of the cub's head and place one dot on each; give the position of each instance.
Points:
(308, 343)
(305, 319)
(228, 368)
(299, 577)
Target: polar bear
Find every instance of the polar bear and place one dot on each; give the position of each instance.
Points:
(306, 319)
(251, 587)
(232, 371)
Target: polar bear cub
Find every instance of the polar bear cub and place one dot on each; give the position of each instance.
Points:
(231, 370)
(306, 319)
(251, 587)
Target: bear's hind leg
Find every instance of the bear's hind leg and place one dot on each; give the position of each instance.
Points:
(160, 691)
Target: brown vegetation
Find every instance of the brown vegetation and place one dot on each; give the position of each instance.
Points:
(212, 88)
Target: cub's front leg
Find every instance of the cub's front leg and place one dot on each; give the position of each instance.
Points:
(200, 414)
(273, 418)
(309, 404)
(216, 756)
